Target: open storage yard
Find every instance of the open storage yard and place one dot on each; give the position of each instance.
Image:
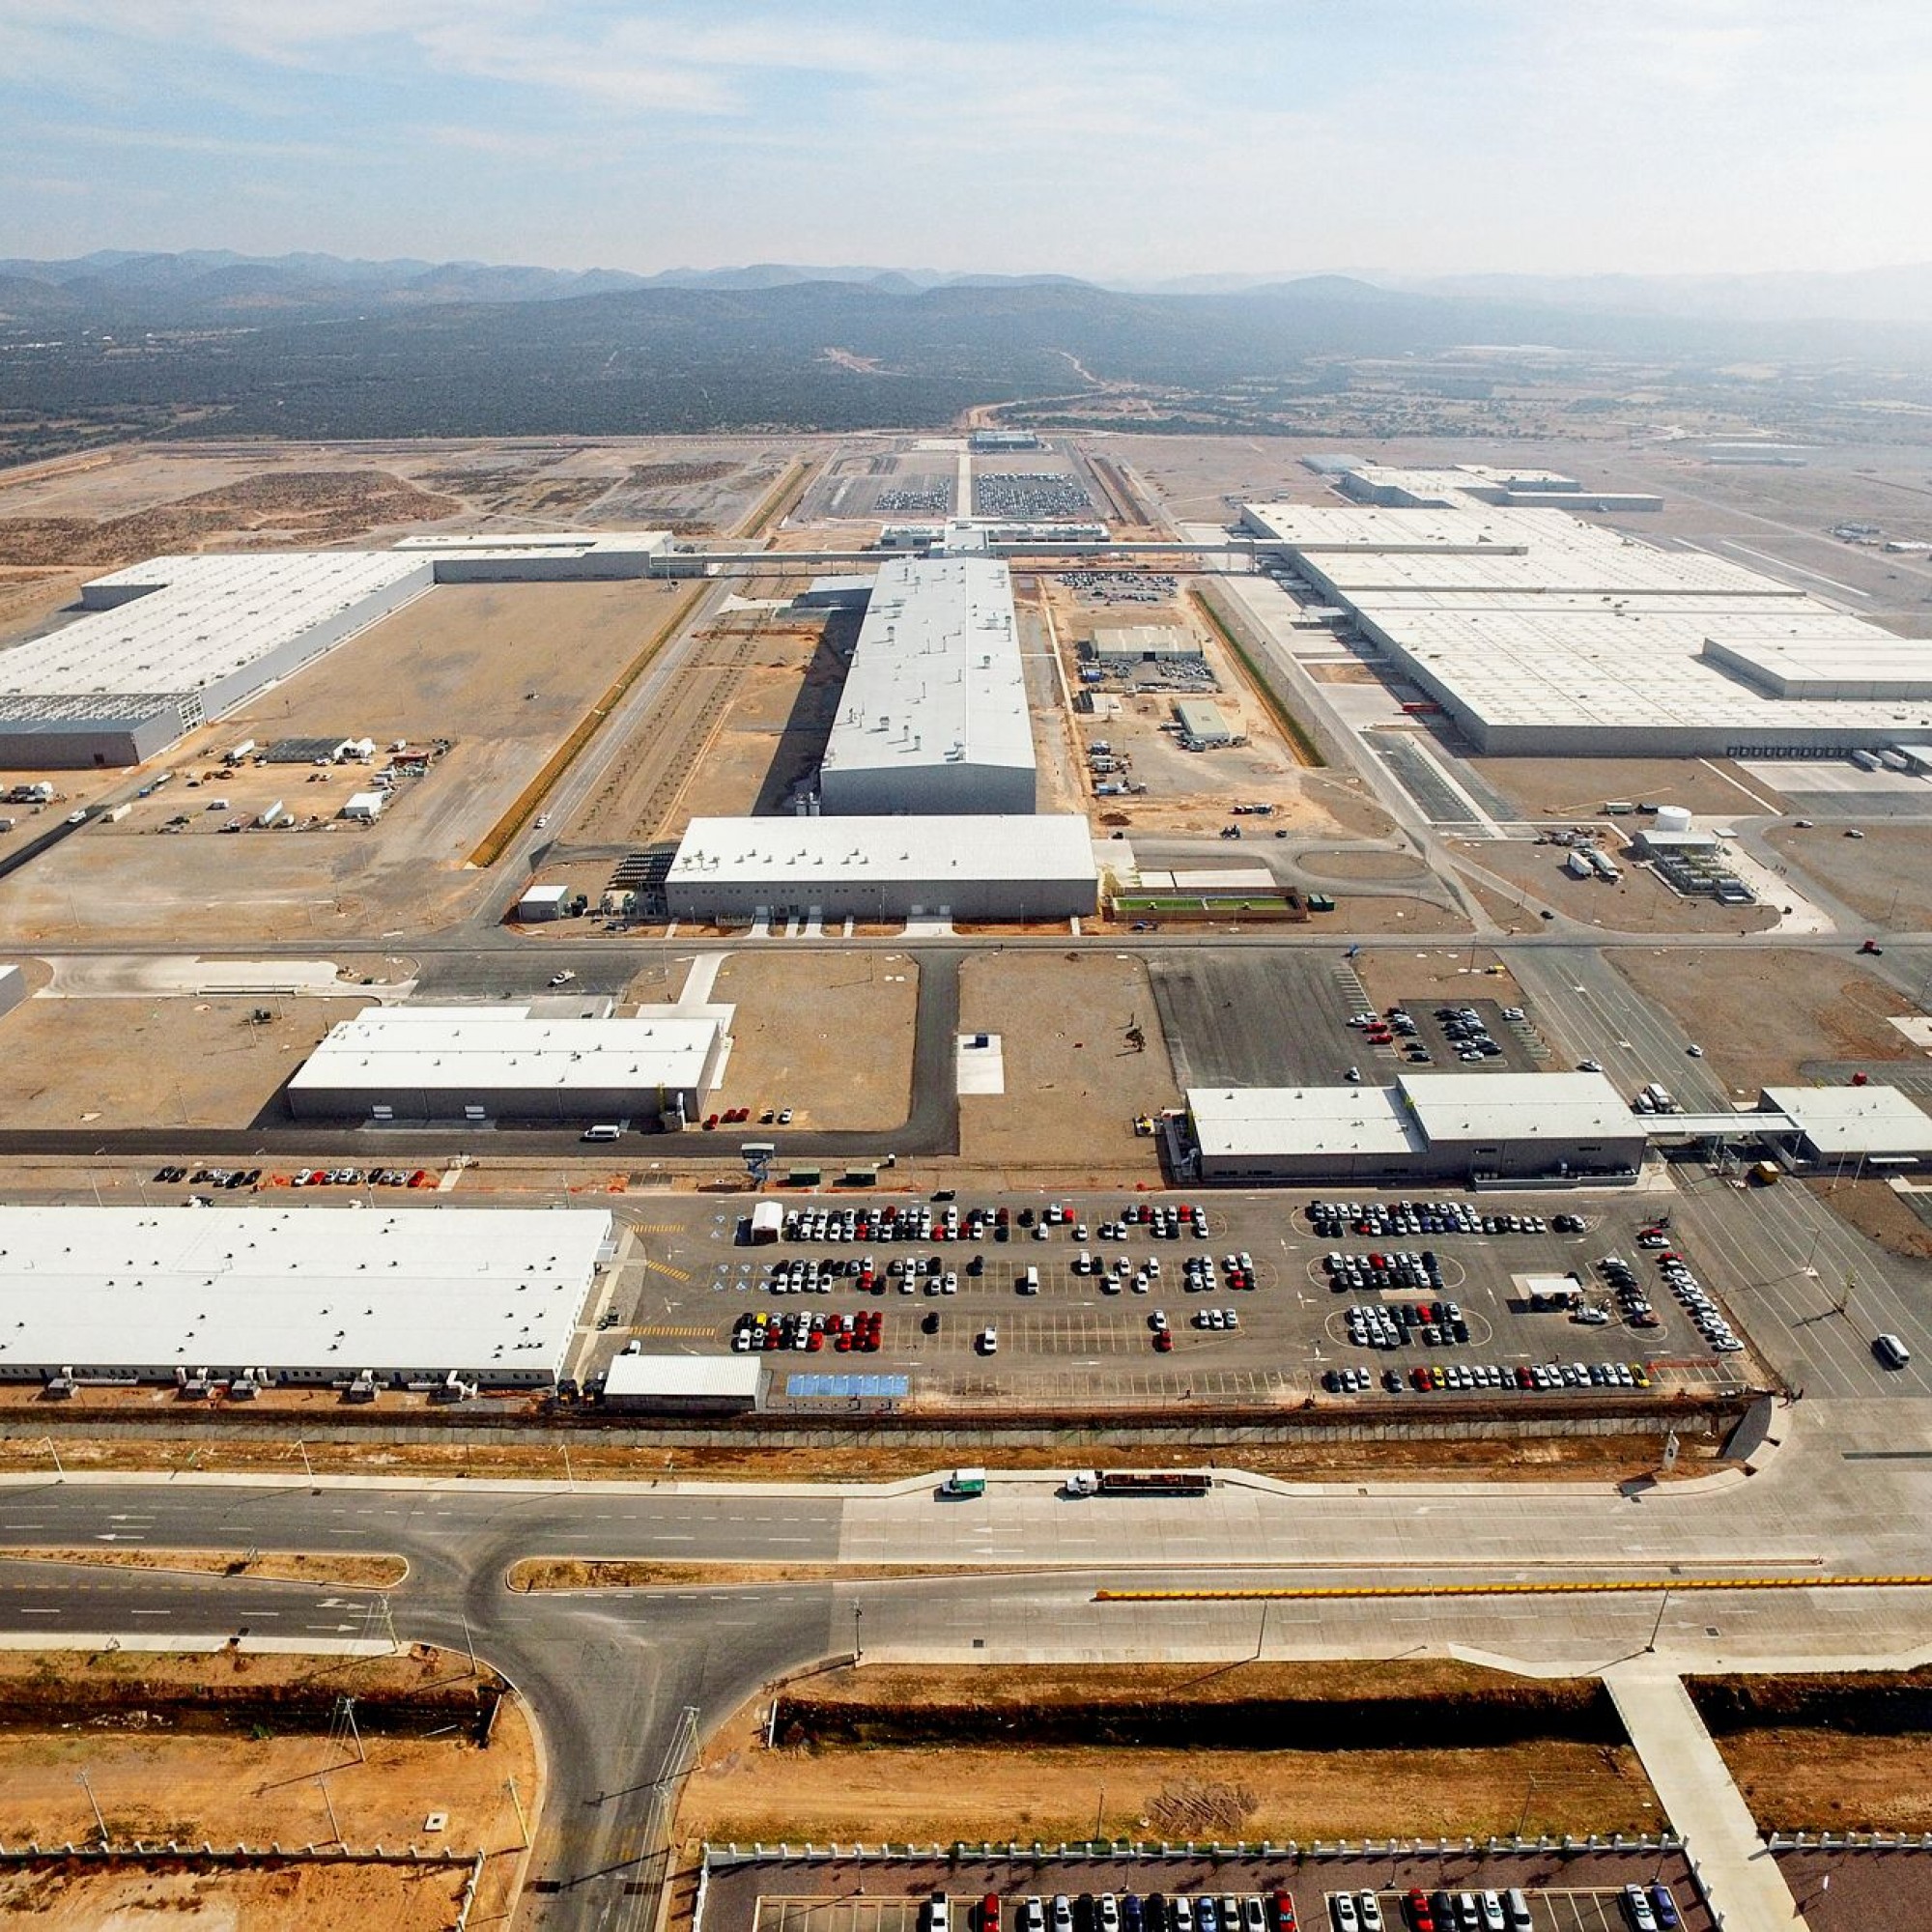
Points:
(501, 671)
(1886, 876)
(1638, 902)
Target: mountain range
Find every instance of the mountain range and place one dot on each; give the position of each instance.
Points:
(215, 288)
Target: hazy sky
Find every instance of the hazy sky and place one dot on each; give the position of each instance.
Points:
(1116, 139)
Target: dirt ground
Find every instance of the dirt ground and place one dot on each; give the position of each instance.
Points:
(1463, 972)
(1601, 1459)
(1806, 1778)
(1886, 875)
(370, 1573)
(1802, 1007)
(1879, 1212)
(154, 1784)
(1573, 790)
(744, 1792)
(503, 670)
(143, 1063)
(1638, 902)
(729, 735)
(828, 1034)
(349, 1898)
(1071, 1079)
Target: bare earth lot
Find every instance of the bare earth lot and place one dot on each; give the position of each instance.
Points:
(1802, 1007)
(141, 1062)
(1573, 790)
(1886, 875)
(1026, 1790)
(828, 1034)
(158, 1784)
(1072, 1080)
(1805, 1777)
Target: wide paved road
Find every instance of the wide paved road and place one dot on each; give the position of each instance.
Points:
(609, 1674)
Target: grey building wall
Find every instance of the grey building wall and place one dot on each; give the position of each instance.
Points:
(861, 898)
(575, 1106)
(82, 743)
(1522, 1160)
(961, 789)
(12, 988)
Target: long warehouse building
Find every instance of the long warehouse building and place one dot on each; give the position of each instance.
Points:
(509, 1064)
(1543, 634)
(295, 1296)
(882, 869)
(933, 715)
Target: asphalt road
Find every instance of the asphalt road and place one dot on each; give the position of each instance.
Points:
(609, 1674)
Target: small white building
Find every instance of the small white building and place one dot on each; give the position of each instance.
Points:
(542, 903)
(684, 1385)
(364, 805)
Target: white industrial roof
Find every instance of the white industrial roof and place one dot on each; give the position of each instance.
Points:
(190, 621)
(539, 543)
(1494, 1107)
(1530, 619)
(936, 675)
(1871, 1120)
(993, 847)
(1232, 1122)
(690, 1376)
(504, 1048)
(296, 1288)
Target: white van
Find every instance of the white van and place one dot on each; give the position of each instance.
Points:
(1890, 1351)
(601, 1133)
(1030, 1281)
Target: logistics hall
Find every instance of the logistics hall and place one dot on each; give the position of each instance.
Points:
(295, 1296)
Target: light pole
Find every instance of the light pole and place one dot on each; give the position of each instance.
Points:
(1529, 1792)
(1650, 1648)
(858, 1654)
(47, 1442)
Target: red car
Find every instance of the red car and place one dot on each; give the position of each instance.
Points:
(1284, 1913)
(989, 1913)
(1163, 1343)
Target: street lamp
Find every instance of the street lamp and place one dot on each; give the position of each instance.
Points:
(856, 1652)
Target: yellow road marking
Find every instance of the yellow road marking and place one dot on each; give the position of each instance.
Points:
(1553, 1588)
(670, 1269)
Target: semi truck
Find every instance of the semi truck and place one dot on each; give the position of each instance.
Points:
(1139, 1483)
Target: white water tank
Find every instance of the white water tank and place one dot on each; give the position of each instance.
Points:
(1673, 818)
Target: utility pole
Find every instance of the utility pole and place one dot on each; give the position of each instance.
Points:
(95, 1802)
(52, 1451)
(522, 1823)
(336, 1830)
(1528, 1793)
(308, 1467)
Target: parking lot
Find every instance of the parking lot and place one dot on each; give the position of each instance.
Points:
(1584, 1892)
(1264, 1303)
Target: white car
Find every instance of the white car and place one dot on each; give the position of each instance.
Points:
(562, 979)
(988, 1343)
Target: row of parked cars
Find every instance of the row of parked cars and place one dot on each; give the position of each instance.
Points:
(209, 1176)
(1126, 1912)
(1436, 1324)
(947, 1221)
(1404, 1268)
(808, 1333)
(1703, 1312)
(1474, 1376)
(303, 1177)
(1645, 1908)
(1333, 1220)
